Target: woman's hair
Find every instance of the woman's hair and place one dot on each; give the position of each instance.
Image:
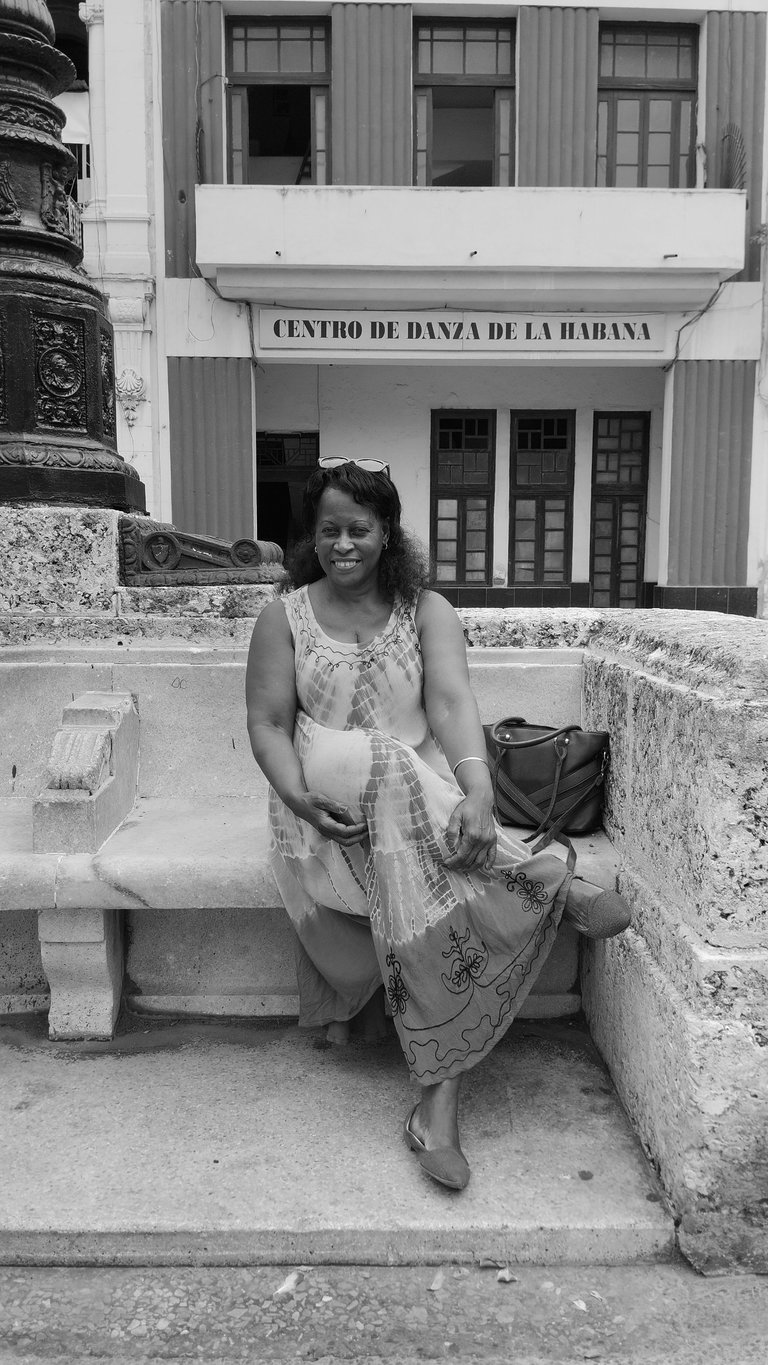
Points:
(403, 568)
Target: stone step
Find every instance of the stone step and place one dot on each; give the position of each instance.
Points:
(237, 1144)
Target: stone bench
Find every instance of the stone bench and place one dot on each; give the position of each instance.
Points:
(92, 859)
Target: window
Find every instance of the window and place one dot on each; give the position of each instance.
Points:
(646, 111)
(541, 496)
(284, 462)
(278, 74)
(463, 473)
(619, 483)
(464, 104)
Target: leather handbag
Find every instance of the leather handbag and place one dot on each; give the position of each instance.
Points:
(549, 780)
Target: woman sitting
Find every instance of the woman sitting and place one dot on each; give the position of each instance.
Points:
(385, 849)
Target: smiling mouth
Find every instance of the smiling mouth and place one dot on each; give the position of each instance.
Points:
(345, 563)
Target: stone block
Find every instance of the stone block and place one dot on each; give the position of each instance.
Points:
(23, 983)
(56, 560)
(82, 954)
(688, 799)
(92, 775)
(695, 1086)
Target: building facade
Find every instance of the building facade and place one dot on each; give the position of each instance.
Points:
(514, 250)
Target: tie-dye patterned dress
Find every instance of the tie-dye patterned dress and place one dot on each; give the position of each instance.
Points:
(458, 952)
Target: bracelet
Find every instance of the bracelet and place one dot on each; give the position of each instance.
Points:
(471, 758)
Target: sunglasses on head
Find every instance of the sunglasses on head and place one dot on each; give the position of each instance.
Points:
(336, 461)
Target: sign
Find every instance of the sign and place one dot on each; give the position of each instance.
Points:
(438, 332)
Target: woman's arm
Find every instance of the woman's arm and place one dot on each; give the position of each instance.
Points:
(453, 716)
(270, 693)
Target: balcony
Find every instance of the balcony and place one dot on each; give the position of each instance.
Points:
(595, 249)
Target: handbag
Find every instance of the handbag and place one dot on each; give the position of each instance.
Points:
(550, 780)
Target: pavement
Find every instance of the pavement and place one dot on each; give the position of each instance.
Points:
(230, 1192)
(534, 1315)
(245, 1144)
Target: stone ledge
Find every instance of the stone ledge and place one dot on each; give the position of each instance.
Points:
(709, 651)
(186, 855)
(725, 983)
(27, 880)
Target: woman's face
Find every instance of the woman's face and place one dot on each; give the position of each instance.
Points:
(349, 539)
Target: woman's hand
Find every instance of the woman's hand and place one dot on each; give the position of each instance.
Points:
(330, 819)
(472, 833)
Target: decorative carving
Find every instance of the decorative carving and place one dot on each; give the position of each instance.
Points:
(127, 312)
(60, 371)
(131, 390)
(154, 553)
(44, 456)
(9, 207)
(49, 121)
(107, 361)
(54, 208)
(91, 12)
(80, 760)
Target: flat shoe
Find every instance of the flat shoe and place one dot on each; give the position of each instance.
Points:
(595, 912)
(446, 1165)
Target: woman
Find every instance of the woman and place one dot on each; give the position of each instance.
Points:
(385, 849)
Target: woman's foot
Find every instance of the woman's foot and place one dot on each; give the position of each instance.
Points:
(595, 912)
(338, 1033)
(432, 1130)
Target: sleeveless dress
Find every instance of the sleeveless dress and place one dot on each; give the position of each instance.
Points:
(457, 951)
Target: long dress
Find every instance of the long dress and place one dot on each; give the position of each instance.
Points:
(458, 952)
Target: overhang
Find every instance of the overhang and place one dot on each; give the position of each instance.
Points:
(383, 247)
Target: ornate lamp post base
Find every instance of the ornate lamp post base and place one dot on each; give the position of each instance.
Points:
(57, 381)
(83, 487)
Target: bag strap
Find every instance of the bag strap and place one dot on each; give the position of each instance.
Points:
(527, 743)
(565, 815)
(560, 745)
(554, 834)
(563, 839)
